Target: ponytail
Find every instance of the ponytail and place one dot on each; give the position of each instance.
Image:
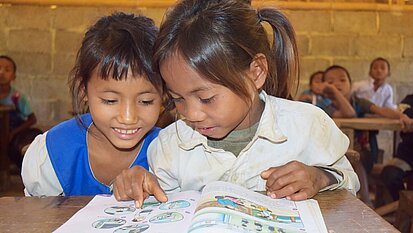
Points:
(283, 62)
(219, 40)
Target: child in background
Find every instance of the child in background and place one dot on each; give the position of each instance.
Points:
(114, 83)
(223, 75)
(314, 95)
(339, 77)
(376, 89)
(22, 118)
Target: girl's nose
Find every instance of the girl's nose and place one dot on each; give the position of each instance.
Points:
(194, 113)
(128, 113)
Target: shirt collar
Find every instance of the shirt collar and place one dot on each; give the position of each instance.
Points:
(267, 129)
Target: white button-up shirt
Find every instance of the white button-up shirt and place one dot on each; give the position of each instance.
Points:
(288, 130)
(382, 97)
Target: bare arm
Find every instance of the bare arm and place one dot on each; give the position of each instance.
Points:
(405, 122)
(386, 112)
(343, 106)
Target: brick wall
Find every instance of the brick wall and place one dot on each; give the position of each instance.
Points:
(44, 40)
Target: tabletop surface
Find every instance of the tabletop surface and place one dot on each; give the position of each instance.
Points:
(372, 123)
(5, 108)
(342, 212)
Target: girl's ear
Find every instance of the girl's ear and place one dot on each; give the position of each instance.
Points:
(83, 93)
(258, 70)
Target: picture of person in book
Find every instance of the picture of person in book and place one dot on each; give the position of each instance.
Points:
(229, 200)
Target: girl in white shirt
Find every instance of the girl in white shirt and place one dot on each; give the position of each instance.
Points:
(223, 74)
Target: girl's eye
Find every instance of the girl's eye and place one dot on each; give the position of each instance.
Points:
(207, 100)
(146, 102)
(109, 101)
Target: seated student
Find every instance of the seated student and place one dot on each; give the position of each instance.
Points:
(376, 88)
(401, 165)
(113, 80)
(22, 118)
(339, 78)
(314, 95)
(233, 127)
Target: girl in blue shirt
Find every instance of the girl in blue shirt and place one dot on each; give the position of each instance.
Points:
(117, 99)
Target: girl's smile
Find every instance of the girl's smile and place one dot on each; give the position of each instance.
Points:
(126, 134)
(123, 111)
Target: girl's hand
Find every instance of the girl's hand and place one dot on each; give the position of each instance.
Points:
(137, 183)
(295, 181)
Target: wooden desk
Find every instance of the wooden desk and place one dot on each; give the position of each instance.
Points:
(342, 212)
(4, 141)
(404, 215)
(348, 125)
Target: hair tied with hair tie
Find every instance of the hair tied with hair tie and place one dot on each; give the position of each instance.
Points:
(259, 17)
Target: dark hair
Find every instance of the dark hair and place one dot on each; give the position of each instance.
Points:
(219, 39)
(112, 46)
(10, 60)
(312, 76)
(380, 59)
(337, 67)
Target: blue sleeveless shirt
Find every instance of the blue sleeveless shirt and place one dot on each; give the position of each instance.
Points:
(67, 147)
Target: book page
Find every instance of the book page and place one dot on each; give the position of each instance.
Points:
(226, 207)
(104, 214)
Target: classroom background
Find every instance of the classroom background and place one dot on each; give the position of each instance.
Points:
(43, 37)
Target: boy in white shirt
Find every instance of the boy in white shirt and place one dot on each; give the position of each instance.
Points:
(376, 89)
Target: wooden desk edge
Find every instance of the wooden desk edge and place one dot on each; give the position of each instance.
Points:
(339, 208)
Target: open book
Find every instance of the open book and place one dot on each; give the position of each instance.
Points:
(220, 207)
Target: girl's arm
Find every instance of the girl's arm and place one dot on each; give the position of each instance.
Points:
(39, 177)
(343, 106)
(386, 112)
(326, 166)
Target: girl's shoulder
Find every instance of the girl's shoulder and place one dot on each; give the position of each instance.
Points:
(73, 124)
(69, 132)
(295, 111)
(294, 107)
